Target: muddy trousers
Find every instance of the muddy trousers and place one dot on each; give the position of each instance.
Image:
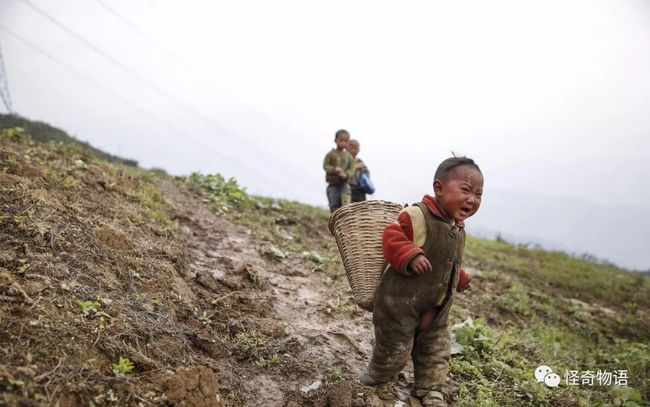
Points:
(430, 350)
(338, 195)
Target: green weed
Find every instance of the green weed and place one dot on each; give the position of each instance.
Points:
(123, 367)
(19, 219)
(205, 319)
(334, 375)
(14, 133)
(89, 307)
(271, 361)
(515, 299)
(255, 275)
(223, 194)
(251, 343)
(148, 197)
(22, 269)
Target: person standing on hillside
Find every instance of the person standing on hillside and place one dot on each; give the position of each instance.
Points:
(358, 193)
(424, 249)
(339, 169)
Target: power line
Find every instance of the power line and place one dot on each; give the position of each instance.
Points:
(137, 108)
(104, 88)
(146, 36)
(206, 121)
(4, 85)
(139, 77)
(169, 53)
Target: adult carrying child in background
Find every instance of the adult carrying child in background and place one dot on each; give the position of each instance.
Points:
(339, 169)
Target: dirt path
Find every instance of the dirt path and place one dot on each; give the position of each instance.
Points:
(306, 313)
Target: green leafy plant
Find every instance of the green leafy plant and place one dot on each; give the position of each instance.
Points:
(252, 345)
(313, 256)
(625, 396)
(14, 133)
(22, 269)
(89, 307)
(334, 375)
(475, 336)
(271, 361)
(255, 274)
(516, 299)
(205, 318)
(223, 193)
(274, 253)
(110, 396)
(15, 384)
(123, 367)
(251, 338)
(19, 219)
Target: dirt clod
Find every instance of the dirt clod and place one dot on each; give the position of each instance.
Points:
(193, 386)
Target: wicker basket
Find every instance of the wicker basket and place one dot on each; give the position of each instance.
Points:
(358, 230)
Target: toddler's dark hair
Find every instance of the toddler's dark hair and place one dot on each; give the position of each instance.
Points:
(340, 133)
(445, 167)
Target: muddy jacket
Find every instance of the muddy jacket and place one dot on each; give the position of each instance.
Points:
(403, 298)
(441, 241)
(341, 159)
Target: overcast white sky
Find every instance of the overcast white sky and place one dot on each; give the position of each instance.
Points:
(549, 97)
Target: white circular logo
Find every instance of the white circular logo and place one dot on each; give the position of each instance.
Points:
(552, 379)
(542, 371)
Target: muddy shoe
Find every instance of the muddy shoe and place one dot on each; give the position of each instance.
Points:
(385, 391)
(431, 398)
(366, 379)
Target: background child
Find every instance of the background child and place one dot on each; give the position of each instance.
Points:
(358, 194)
(424, 250)
(339, 169)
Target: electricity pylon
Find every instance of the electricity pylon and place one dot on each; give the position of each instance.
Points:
(4, 85)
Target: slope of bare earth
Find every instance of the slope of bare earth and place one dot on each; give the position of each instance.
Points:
(218, 298)
(101, 262)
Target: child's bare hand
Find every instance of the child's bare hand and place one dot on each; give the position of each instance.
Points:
(420, 265)
(464, 280)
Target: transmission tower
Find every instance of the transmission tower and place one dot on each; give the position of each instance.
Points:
(4, 85)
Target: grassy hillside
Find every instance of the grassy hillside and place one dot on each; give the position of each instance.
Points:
(120, 286)
(43, 132)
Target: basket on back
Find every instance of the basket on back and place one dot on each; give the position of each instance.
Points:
(358, 229)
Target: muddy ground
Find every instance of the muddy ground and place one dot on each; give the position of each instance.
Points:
(100, 263)
(328, 340)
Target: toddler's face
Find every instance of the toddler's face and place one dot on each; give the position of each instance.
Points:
(460, 195)
(342, 141)
(353, 149)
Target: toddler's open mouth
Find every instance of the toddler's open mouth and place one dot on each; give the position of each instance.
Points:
(465, 210)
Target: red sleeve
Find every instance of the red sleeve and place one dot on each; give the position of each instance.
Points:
(397, 243)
